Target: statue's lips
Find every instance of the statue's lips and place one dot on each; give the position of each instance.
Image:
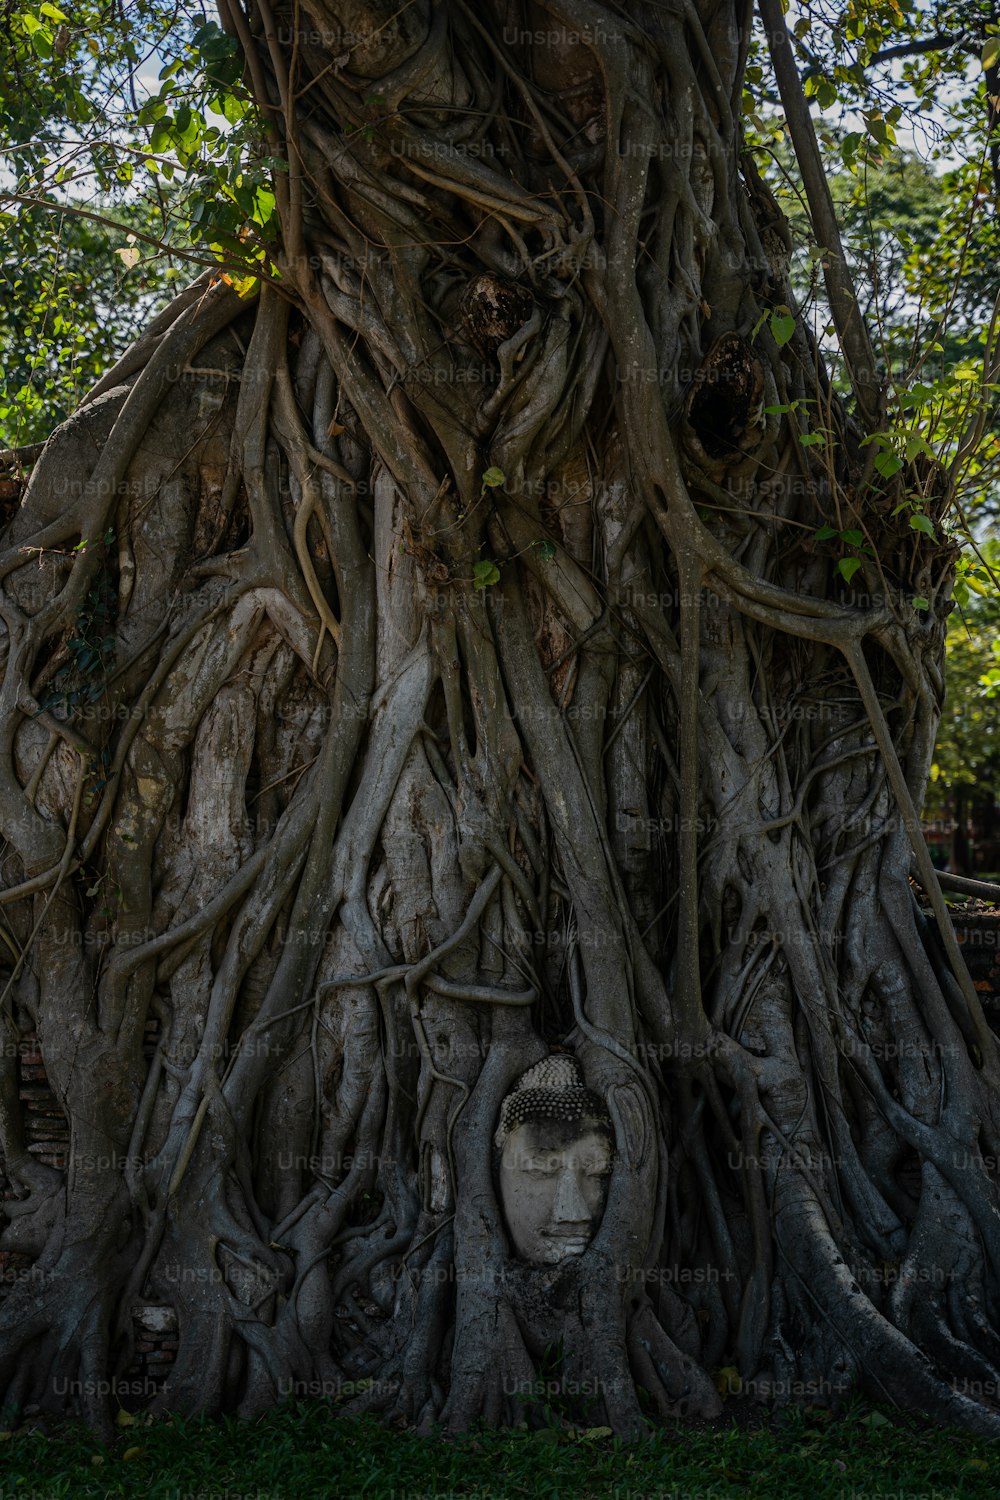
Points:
(571, 1241)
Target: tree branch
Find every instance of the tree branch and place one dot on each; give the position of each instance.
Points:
(913, 49)
(851, 330)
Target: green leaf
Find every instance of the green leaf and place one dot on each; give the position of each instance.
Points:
(919, 602)
(923, 523)
(758, 326)
(825, 533)
(484, 574)
(546, 550)
(916, 443)
(264, 201)
(991, 53)
(847, 567)
(782, 327)
(232, 108)
(493, 478)
(849, 147)
(876, 127)
(852, 538)
(159, 138)
(888, 464)
(919, 393)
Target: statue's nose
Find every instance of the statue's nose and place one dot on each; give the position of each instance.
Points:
(571, 1206)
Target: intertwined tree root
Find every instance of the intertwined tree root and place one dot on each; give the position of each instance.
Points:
(476, 686)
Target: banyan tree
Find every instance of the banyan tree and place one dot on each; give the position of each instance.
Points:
(460, 820)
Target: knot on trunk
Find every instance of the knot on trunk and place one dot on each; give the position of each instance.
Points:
(10, 497)
(724, 409)
(492, 310)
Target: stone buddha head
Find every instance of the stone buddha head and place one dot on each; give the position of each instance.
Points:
(556, 1148)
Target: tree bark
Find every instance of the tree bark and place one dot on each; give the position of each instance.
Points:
(431, 663)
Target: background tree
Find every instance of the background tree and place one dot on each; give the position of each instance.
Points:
(489, 631)
(965, 772)
(69, 308)
(125, 161)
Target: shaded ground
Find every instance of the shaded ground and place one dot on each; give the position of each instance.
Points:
(308, 1451)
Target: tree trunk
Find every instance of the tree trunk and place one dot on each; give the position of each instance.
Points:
(431, 666)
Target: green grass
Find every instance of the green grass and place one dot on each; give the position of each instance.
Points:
(307, 1451)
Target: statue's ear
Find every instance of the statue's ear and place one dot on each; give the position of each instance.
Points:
(630, 1115)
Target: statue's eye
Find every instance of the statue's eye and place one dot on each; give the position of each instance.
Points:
(596, 1166)
(540, 1166)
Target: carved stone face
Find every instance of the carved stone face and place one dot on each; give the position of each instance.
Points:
(553, 1186)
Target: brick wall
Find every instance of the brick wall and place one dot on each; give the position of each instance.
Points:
(978, 933)
(47, 1138)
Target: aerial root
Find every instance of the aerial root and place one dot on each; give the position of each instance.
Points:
(677, 1383)
(890, 1364)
